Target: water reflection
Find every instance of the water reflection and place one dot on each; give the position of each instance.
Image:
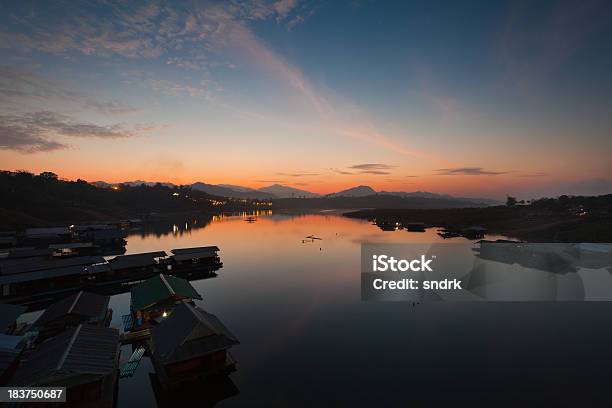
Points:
(308, 340)
(204, 393)
(559, 272)
(178, 226)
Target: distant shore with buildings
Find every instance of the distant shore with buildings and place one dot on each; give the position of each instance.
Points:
(562, 219)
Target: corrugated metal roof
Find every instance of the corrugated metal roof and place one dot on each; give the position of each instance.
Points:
(195, 255)
(72, 245)
(44, 274)
(82, 228)
(84, 304)
(182, 251)
(136, 260)
(28, 252)
(11, 266)
(97, 268)
(84, 350)
(9, 314)
(7, 357)
(8, 342)
(107, 234)
(158, 288)
(189, 332)
(47, 231)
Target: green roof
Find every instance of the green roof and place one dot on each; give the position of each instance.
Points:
(159, 288)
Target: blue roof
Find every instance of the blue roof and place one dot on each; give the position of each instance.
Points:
(9, 314)
(9, 342)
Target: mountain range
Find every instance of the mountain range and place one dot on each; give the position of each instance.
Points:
(280, 191)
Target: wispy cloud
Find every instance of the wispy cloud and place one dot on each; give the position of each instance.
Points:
(377, 169)
(298, 174)
(538, 174)
(372, 166)
(24, 86)
(38, 131)
(468, 171)
(205, 36)
(134, 29)
(113, 107)
(375, 172)
(343, 172)
(172, 88)
(22, 139)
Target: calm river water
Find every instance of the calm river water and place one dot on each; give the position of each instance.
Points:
(308, 340)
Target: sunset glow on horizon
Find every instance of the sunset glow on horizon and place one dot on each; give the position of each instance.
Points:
(320, 96)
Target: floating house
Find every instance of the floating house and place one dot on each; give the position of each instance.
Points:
(8, 239)
(84, 359)
(136, 266)
(194, 259)
(74, 249)
(190, 345)
(415, 227)
(27, 252)
(446, 233)
(82, 228)
(34, 276)
(474, 232)
(545, 257)
(42, 237)
(157, 297)
(80, 308)
(11, 346)
(387, 225)
(8, 317)
(107, 236)
(32, 272)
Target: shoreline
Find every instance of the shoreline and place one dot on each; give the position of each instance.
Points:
(531, 223)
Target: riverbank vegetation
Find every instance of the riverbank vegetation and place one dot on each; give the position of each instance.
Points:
(562, 219)
(28, 200)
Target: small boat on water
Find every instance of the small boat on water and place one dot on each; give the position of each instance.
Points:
(475, 232)
(415, 227)
(386, 225)
(446, 234)
(250, 219)
(313, 237)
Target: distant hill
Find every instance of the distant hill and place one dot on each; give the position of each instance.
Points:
(146, 183)
(364, 191)
(359, 191)
(226, 190)
(101, 184)
(219, 190)
(280, 191)
(238, 188)
(426, 194)
(370, 201)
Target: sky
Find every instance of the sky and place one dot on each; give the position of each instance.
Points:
(465, 98)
